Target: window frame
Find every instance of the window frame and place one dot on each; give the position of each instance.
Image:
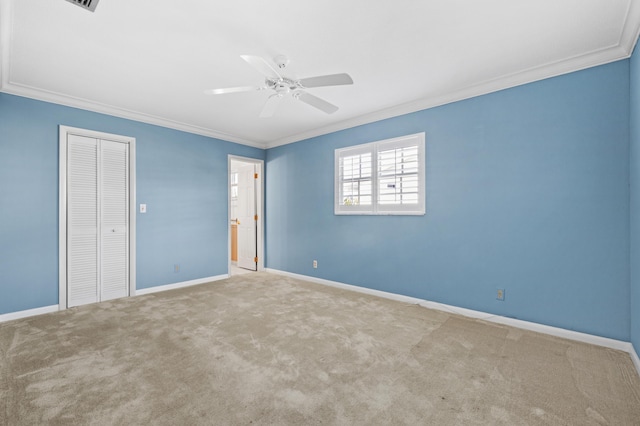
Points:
(233, 185)
(375, 208)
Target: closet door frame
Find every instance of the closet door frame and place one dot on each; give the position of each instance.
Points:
(62, 224)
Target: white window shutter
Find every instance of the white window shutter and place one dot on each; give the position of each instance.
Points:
(401, 175)
(355, 170)
(381, 178)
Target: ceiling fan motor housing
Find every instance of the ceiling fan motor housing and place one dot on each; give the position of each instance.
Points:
(283, 85)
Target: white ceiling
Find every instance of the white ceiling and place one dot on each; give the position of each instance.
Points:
(151, 60)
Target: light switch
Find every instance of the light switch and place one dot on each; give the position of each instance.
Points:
(143, 208)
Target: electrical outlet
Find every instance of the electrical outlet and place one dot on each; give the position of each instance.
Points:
(500, 294)
(176, 268)
(315, 264)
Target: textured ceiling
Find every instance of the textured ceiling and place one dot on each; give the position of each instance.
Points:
(151, 60)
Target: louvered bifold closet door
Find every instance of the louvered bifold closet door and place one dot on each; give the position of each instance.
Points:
(114, 219)
(82, 220)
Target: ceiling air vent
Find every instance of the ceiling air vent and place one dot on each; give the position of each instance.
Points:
(86, 4)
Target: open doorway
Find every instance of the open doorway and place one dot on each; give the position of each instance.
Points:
(246, 237)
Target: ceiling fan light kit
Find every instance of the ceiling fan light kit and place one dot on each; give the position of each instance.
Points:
(286, 86)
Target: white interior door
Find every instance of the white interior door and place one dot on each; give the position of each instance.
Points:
(114, 220)
(246, 212)
(82, 220)
(97, 253)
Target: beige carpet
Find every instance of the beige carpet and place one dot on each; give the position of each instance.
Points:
(265, 349)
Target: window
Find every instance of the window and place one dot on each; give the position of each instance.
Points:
(385, 177)
(233, 179)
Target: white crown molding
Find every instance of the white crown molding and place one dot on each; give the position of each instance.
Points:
(591, 59)
(74, 102)
(622, 50)
(5, 42)
(11, 88)
(631, 28)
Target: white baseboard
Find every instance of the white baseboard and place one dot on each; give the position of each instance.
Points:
(55, 308)
(160, 288)
(634, 358)
(526, 325)
(28, 313)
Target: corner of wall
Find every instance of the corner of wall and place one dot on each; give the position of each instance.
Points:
(634, 203)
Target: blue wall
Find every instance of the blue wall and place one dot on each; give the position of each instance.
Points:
(180, 176)
(635, 199)
(527, 190)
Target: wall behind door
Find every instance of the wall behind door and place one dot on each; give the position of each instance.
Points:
(181, 177)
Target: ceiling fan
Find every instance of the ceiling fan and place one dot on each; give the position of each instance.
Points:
(282, 85)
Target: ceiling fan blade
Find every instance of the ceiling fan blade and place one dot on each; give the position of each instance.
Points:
(262, 66)
(316, 102)
(326, 80)
(232, 90)
(270, 106)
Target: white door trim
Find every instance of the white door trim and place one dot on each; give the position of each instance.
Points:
(259, 208)
(62, 200)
